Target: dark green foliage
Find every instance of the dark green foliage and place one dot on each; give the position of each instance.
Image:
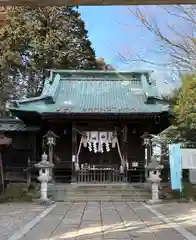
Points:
(19, 192)
(34, 39)
(183, 104)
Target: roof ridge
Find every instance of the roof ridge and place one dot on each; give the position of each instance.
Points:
(16, 103)
(98, 79)
(54, 87)
(107, 72)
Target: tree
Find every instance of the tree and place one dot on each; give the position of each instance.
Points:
(33, 39)
(185, 107)
(183, 104)
(59, 39)
(178, 43)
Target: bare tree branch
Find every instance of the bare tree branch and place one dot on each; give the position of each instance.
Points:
(180, 46)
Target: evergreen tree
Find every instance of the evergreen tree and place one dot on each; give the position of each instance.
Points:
(33, 39)
(184, 112)
(59, 39)
(185, 107)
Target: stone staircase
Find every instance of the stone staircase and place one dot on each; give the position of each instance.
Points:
(99, 192)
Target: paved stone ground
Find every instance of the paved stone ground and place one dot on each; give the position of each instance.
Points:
(14, 216)
(101, 220)
(184, 214)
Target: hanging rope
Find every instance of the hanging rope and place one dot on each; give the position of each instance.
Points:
(119, 152)
(118, 147)
(79, 149)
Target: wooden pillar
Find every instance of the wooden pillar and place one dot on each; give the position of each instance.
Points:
(124, 150)
(31, 159)
(50, 158)
(2, 172)
(34, 148)
(29, 172)
(124, 142)
(74, 151)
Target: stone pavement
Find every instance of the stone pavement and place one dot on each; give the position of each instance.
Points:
(14, 216)
(104, 220)
(183, 214)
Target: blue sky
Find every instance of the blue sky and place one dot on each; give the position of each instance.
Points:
(113, 30)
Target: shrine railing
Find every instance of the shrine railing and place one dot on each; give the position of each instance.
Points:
(99, 176)
(114, 175)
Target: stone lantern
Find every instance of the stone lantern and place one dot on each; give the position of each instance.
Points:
(154, 168)
(44, 177)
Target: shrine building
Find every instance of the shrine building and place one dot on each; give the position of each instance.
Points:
(91, 124)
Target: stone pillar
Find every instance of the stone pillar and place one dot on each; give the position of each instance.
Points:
(44, 177)
(44, 191)
(155, 192)
(154, 179)
(154, 168)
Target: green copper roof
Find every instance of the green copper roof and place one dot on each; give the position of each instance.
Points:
(95, 92)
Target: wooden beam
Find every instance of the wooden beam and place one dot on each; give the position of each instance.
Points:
(74, 139)
(94, 2)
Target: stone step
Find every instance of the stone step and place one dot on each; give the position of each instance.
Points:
(100, 197)
(106, 193)
(84, 189)
(100, 185)
(98, 192)
(103, 194)
(103, 189)
(103, 197)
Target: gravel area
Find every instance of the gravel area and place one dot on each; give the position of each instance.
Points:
(14, 216)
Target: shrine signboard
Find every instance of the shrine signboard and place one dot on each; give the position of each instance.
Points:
(188, 158)
(95, 2)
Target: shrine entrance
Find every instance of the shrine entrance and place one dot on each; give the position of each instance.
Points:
(99, 158)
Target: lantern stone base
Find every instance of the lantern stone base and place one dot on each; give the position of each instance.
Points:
(43, 201)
